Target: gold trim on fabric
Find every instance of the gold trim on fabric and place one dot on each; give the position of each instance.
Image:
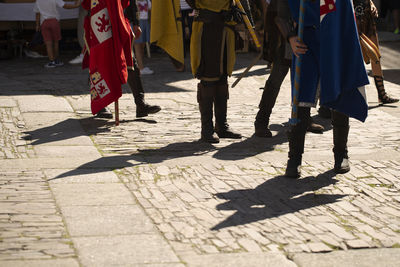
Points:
(209, 79)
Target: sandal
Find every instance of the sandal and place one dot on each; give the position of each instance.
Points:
(384, 98)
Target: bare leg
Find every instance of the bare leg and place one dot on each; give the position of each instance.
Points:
(50, 50)
(376, 65)
(139, 53)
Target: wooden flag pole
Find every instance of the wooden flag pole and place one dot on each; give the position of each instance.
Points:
(116, 112)
(295, 98)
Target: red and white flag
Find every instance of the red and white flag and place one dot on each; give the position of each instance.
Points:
(108, 53)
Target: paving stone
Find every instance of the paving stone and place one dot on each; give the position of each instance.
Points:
(41, 263)
(239, 260)
(44, 103)
(361, 257)
(92, 194)
(124, 250)
(106, 220)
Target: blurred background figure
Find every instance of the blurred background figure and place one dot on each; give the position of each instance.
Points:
(47, 21)
(187, 21)
(394, 7)
(366, 15)
(143, 14)
(79, 33)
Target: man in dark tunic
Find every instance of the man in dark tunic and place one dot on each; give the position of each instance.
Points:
(212, 50)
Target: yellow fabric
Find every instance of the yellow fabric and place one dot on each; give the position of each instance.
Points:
(195, 45)
(213, 5)
(195, 49)
(165, 29)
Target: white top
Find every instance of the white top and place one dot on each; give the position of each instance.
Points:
(184, 5)
(48, 9)
(143, 7)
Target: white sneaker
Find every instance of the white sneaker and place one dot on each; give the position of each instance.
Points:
(77, 60)
(146, 71)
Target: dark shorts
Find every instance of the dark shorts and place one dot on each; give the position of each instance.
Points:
(51, 30)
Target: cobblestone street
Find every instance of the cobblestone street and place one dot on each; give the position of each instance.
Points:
(79, 191)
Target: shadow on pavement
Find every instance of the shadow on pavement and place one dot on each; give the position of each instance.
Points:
(67, 129)
(144, 156)
(276, 197)
(252, 146)
(71, 128)
(256, 145)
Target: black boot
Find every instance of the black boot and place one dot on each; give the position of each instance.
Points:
(296, 136)
(384, 98)
(135, 83)
(221, 105)
(205, 98)
(296, 148)
(266, 105)
(293, 167)
(341, 128)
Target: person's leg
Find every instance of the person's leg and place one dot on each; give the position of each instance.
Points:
(221, 106)
(139, 53)
(50, 49)
(206, 92)
(296, 136)
(48, 39)
(80, 27)
(340, 123)
(377, 72)
(56, 36)
(268, 99)
(135, 84)
(80, 34)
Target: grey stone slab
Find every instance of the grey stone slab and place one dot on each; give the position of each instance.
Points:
(126, 250)
(41, 263)
(160, 265)
(84, 152)
(43, 103)
(92, 194)
(386, 257)
(106, 220)
(6, 102)
(80, 176)
(40, 120)
(55, 128)
(238, 260)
